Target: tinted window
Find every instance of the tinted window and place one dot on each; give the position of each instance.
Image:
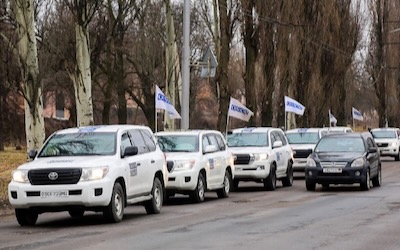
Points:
(221, 142)
(213, 140)
(125, 141)
(340, 144)
(149, 140)
(138, 141)
(205, 142)
(274, 137)
(370, 143)
(282, 137)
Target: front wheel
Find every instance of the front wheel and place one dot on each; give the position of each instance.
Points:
(270, 181)
(224, 192)
(114, 212)
(377, 180)
(310, 186)
(154, 205)
(198, 193)
(288, 180)
(365, 184)
(397, 157)
(26, 217)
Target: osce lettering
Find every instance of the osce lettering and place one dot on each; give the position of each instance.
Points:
(294, 105)
(163, 98)
(357, 113)
(239, 109)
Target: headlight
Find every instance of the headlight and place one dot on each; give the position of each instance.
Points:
(260, 156)
(96, 173)
(311, 162)
(20, 176)
(359, 162)
(393, 144)
(184, 165)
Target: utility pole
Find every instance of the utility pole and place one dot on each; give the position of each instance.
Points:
(185, 66)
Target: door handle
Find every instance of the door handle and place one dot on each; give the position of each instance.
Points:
(138, 164)
(152, 161)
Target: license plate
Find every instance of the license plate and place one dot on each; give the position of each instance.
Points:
(236, 168)
(332, 170)
(45, 194)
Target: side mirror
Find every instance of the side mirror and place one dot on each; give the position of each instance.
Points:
(372, 150)
(32, 154)
(210, 149)
(277, 144)
(129, 151)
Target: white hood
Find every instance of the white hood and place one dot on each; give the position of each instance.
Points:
(67, 162)
(173, 156)
(248, 150)
(302, 146)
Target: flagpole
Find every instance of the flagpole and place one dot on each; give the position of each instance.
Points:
(227, 125)
(285, 120)
(329, 114)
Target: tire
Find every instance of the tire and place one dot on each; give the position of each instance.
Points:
(198, 194)
(270, 181)
(114, 212)
(377, 180)
(288, 180)
(310, 186)
(76, 212)
(397, 157)
(26, 217)
(365, 184)
(224, 192)
(154, 205)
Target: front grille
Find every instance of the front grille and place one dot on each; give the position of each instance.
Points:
(170, 165)
(337, 164)
(302, 153)
(383, 144)
(242, 159)
(64, 176)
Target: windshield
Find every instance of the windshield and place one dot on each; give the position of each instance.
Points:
(340, 144)
(383, 134)
(77, 144)
(179, 143)
(248, 140)
(302, 138)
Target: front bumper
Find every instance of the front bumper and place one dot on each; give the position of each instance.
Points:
(87, 194)
(182, 180)
(389, 151)
(348, 175)
(254, 170)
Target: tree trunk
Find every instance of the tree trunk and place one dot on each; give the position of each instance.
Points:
(83, 79)
(28, 60)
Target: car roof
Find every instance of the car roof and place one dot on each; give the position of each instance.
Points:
(349, 135)
(100, 128)
(339, 128)
(254, 130)
(187, 132)
(304, 130)
(384, 129)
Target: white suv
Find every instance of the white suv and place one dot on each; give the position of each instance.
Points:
(96, 168)
(197, 161)
(262, 155)
(303, 141)
(388, 141)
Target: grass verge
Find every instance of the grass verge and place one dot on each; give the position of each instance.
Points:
(10, 159)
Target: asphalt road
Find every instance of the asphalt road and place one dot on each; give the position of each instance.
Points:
(341, 217)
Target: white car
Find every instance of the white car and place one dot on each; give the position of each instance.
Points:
(338, 129)
(261, 154)
(388, 141)
(197, 161)
(303, 141)
(95, 168)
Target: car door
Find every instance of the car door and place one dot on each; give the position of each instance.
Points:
(278, 152)
(141, 172)
(156, 158)
(373, 158)
(208, 161)
(218, 158)
(130, 165)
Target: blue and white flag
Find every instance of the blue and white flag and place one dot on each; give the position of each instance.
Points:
(357, 114)
(238, 110)
(293, 106)
(332, 119)
(162, 102)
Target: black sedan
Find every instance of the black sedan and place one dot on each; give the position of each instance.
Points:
(344, 159)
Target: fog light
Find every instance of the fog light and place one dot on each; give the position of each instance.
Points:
(14, 194)
(261, 167)
(187, 179)
(357, 173)
(98, 191)
(310, 173)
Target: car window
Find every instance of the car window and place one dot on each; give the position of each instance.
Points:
(205, 142)
(213, 140)
(282, 137)
(125, 141)
(340, 144)
(303, 138)
(178, 143)
(246, 139)
(138, 141)
(148, 139)
(384, 134)
(221, 142)
(274, 137)
(370, 143)
(81, 143)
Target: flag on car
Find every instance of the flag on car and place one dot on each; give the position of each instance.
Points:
(293, 106)
(238, 110)
(332, 119)
(162, 102)
(357, 114)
